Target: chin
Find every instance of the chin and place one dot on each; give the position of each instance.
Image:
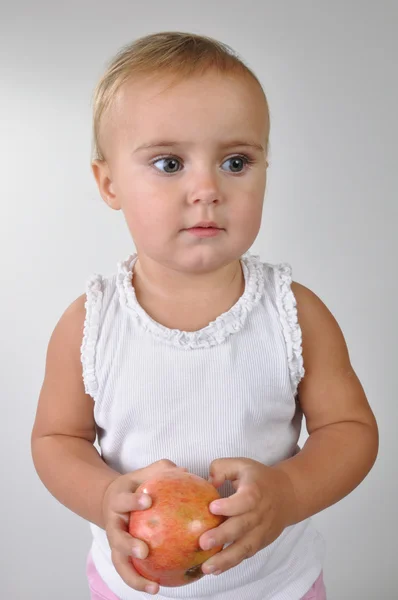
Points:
(204, 260)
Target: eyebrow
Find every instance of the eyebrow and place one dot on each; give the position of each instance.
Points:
(173, 144)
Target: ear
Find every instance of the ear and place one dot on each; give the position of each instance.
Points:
(103, 177)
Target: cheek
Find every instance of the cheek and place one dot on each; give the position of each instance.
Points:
(149, 217)
(249, 213)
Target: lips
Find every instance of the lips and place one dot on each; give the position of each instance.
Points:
(205, 229)
(205, 225)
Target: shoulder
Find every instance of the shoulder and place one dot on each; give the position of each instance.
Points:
(70, 326)
(307, 318)
(311, 307)
(78, 327)
(320, 329)
(330, 391)
(64, 346)
(307, 297)
(73, 320)
(63, 407)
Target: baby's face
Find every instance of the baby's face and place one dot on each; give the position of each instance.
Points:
(190, 154)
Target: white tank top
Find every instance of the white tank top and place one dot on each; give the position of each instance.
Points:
(227, 390)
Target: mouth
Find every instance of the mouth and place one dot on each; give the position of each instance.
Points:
(205, 229)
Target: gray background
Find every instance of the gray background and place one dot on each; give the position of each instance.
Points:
(329, 69)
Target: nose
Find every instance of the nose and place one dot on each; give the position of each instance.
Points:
(204, 189)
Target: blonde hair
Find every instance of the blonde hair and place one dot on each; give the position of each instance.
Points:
(172, 53)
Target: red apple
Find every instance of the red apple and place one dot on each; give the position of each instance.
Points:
(171, 528)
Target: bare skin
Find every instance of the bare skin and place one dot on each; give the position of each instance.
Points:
(184, 282)
(341, 448)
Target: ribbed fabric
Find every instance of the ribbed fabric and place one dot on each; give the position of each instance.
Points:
(228, 390)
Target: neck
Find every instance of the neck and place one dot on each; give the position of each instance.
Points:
(167, 283)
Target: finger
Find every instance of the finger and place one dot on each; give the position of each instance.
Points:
(127, 572)
(121, 541)
(229, 531)
(244, 500)
(232, 556)
(160, 467)
(126, 502)
(222, 469)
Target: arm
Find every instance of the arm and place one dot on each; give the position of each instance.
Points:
(67, 462)
(340, 451)
(64, 430)
(343, 434)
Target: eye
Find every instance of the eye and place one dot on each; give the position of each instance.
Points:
(170, 164)
(238, 163)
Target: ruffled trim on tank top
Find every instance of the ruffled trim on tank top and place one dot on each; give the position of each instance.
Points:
(218, 330)
(94, 294)
(287, 306)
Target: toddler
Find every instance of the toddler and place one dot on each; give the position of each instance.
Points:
(195, 353)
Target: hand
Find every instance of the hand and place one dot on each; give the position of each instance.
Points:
(258, 512)
(119, 500)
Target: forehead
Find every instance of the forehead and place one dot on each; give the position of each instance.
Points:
(199, 107)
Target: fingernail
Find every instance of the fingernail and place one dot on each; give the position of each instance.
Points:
(215, 506)
(217, 572)
(137, 552)
(151, 588)
(209, 543)
(209, 569)
(144, 501)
